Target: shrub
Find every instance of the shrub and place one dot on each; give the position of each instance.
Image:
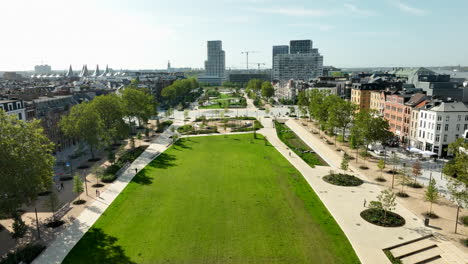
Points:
(112, 169)
(402, 194)
(19, 226)
(78, 202)
(376, 217)
(24, 254)
(342, 179)
(380, 179)
(363, 167)
(415, 185)
(465, 220)
(185, 129)
(108, 178)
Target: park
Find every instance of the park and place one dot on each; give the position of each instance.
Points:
(250, 206)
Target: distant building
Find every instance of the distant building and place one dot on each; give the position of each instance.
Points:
(302, 63)
(42, 69)
(215, 63)
(13, 107)
(12, 76)
(280, 49)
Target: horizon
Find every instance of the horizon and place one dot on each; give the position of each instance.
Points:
(144, 34)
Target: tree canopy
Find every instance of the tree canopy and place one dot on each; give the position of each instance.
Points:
(457, 172)
(267, 90)
(26, 160)
(139, 104)
(255, 85)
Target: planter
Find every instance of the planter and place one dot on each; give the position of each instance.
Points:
(97, 185)
(78, 202)
(380, 179)
(343, 180)
(402, 194)
(55, 224)
(376, 217)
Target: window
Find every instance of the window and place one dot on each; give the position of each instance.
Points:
(10, 107)
(439, 118)
(456, 136)
(421, 114)
(20, 116)
(447, 118)
(459, 118)
(458, 127)
(438, 127)
(437, 138)
(445, 138)
(446, 127)
(466, 117)
(465, 127)
(419, 133)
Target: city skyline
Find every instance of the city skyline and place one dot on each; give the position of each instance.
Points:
(145, 34)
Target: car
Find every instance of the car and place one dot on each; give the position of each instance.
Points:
(379, 152)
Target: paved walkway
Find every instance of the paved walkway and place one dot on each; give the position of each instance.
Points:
(61, 246)
(346, 203)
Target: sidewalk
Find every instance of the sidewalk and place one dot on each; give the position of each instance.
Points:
(346, 203)
(61, 246)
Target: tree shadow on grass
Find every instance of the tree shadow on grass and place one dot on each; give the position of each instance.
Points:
(163, 161)
(98, 247)
(181, 143)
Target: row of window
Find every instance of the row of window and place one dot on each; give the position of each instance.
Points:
(439, 118)
(10, 106)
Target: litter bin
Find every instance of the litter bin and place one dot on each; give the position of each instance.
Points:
(426, 221)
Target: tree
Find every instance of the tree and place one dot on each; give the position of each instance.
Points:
(139, 104)
(387, 199)
(404, 179)
(186, 114)
(84, 123)
(98, 172)
(303, 103)
(416, 170)
(432, 194)
(111, 111)
(19, 226)
(456, 172)
(345, 162)
(340, 115)
(26, 162)
(267, 90)
(255, 85)
(78, 186)
(381, 166)
(395, 161)
(111, 156)
(369, 128)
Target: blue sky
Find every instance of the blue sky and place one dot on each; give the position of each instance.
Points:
(146, 34)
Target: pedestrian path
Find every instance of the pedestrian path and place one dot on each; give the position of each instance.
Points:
(65, 241)
(346, 203)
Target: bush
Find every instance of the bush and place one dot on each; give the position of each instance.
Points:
(185, 129)
(380, 179)
(341, 179)
(465, 220)
(402, 194)
(363, 167)
(19, 226)
(112, 169)
(26, 254)
(376, 217)
(55, 224)
(78, 202)
(415, 185)
(108, 178)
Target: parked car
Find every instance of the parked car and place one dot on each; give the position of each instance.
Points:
(379, 152)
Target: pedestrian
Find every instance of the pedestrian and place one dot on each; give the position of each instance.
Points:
(365, 202)
(136, 170)
(61, 186)
(289, 153)
(97, 193)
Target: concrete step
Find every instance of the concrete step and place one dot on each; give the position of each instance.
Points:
(423, 257)
(413, 247)
(438, 261)
(451, 254)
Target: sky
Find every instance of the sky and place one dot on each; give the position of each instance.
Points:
(146, 34)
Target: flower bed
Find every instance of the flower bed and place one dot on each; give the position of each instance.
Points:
(343, 179)
(382, 218)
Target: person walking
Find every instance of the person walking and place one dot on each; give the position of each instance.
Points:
(365, 202)
(97, 193)
(62, 186)
(136, 170)
(289, 153)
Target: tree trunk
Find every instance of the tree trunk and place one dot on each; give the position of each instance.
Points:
(91, 149)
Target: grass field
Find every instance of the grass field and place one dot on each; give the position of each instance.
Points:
(216, 200)
(297, 145)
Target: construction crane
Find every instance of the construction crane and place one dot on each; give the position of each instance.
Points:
(258, 64)
(246, 52)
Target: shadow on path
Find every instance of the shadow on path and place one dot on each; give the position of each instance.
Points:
(98, 247)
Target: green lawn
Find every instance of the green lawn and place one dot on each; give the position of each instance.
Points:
(216, 200)
(297, 145)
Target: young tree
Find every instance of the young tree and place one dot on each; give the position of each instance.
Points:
(416, 170)
(78, 186)
(19, 226)
(26, 162)
(84, 123)
(432, 194)
(345, 162)
(404, 179)
(98, 172)
(395, 161)
(381, 166)
(387, 199)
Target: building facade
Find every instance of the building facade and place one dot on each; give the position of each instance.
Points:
(215, 63)
(441, 123)
(279, 49)
(13, 107)
(302, 63)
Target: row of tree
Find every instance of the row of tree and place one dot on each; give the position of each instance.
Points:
(336, 114)
(257, 87)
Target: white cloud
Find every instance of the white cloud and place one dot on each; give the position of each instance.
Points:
(409, 9)
(359, 11)
(295, 11)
